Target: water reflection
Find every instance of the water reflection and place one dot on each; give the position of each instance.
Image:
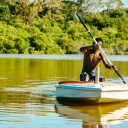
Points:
(27, 92)
(30, 72)
(23, 108)
(93, 116)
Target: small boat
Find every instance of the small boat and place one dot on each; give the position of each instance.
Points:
(95, 92)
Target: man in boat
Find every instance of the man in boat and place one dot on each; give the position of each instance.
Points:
(92, 57)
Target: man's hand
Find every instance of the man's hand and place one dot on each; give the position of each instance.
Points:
(113, 67)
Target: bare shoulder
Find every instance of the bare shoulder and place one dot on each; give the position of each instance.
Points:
(102, 57)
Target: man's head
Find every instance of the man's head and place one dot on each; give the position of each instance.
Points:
(99, 41)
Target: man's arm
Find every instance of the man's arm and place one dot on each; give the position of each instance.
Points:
(84, 49)
(106, 64)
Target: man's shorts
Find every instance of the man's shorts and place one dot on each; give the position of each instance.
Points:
(91, 76)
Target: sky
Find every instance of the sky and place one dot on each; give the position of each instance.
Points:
(125, 2)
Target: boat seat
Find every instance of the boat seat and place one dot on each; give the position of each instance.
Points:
(102, 79)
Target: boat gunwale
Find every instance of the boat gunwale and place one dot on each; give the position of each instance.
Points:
(101, 86)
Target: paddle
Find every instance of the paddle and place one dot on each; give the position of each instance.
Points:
(81, 20)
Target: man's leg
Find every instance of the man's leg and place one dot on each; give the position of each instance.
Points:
(92, 76)
(84, 76)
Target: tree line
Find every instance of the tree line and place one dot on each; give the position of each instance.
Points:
(49, 26)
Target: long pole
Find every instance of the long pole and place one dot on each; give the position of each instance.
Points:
(81, 20)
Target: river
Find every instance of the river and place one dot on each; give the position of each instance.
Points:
(27, 93)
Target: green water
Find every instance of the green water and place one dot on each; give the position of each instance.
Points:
(27, 92)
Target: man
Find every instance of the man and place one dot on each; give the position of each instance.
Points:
(92, 58)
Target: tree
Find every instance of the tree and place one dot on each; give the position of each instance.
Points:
(87, 6)
(51, 8)
(112, 4)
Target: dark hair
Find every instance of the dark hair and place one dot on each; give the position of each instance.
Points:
(98, 39)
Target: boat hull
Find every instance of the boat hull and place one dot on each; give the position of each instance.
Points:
(91, 92)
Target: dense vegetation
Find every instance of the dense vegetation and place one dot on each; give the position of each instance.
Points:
(49, 26)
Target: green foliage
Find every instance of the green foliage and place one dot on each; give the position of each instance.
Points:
(4, 12)
(49, 27)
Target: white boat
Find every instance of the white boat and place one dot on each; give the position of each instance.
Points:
(98, 92)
